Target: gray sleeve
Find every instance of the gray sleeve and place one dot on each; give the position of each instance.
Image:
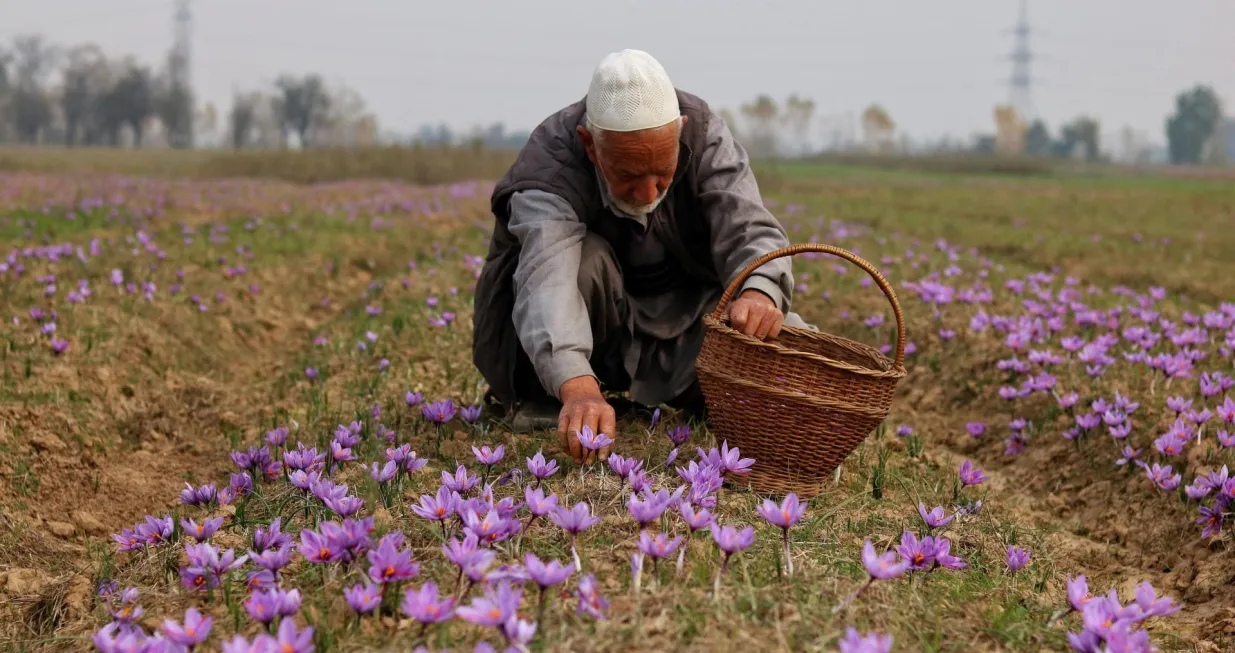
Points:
(550, 316)
(742, 228)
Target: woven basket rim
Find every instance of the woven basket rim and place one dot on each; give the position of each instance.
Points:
(814, 400)
(893, 371)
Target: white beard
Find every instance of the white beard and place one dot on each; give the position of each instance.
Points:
(638, 211)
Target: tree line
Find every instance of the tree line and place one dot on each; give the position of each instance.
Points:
(82, 96)
(1196, 132)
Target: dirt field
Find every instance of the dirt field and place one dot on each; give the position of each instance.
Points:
(209, 300)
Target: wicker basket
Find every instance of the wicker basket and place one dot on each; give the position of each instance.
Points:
(801, 403)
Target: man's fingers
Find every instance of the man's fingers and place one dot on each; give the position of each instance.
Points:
(608, 426)
(753, 320)
(777, 323)
(739, 311)
(592, 420)
(766, 323)
(572, 433)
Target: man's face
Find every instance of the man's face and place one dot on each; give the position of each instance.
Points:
(638, 166)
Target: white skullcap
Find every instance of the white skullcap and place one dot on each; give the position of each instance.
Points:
(631, 91)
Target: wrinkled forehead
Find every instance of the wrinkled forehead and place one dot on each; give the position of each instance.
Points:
(645, 151)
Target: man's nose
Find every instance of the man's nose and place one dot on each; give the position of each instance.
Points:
(646, 190)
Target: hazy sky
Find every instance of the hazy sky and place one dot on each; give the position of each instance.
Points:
(938, 66)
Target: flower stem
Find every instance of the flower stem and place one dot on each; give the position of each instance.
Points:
(575, 552)
(540, 608)
(788, 558)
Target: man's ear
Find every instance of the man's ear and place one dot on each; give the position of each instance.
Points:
(589, 144)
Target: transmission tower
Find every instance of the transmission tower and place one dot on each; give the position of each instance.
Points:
(180, 133)
(1021, 82)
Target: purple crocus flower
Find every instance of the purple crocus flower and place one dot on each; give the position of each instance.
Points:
(971, 475)
(730, 540)
(489, 456)
(623, 466)
(590, 600)
(413, 399)
(919, 553)
(495, 608)
(270, 537)
(462, 481)
(881, 567)
(316, 548)
(540, 468)
(648, 508)
(976, 429)
(1017, 558)
(678, 435)
(1078, 592)
(288, 639)
(438, 508)
(944, 557)
(855, 642)
(389, 563)
(203, 531)
(264, 606)
(439, 412)
(787, 514)
(658, 546)
(593, 441)
(1211, 521)
(470, 414)
(574, 521)
(363, 598)
(426, 606)
(934, 518)
(194, 630)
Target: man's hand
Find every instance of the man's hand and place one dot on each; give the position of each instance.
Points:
(584, 405)
(755, 314)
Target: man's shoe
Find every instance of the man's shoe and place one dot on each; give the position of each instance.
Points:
(535, 416)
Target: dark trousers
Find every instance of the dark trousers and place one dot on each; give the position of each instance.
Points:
(604, 295)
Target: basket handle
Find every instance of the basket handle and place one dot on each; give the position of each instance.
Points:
(820, 248)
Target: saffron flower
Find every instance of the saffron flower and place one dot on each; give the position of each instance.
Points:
(971, 475)
(470, 414)
(462, 481)
(540, 468)
(919, 553)
(389, 563)
(787, 514)
(545, 575)
(593, 441)
(730, 540)
(855, 642)
(574, 521)
(194, 630)
(426, 606)
(1017, 558)
(976, 429)
(363, 598)
(934, 518)
(495, 608)
(590, 600)
(203, 531)
(881, 567)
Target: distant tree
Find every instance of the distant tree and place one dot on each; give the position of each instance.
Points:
(797, 116)
(878, 129)
(762, 113)
(1079, 139)
(1198, 114)
(1038, 139)
(86, 79)
(33, 62)
(174, 106)
(132, 98)
(243, 118)
(301, 104)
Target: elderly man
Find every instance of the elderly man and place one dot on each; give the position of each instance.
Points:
(617, 229)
